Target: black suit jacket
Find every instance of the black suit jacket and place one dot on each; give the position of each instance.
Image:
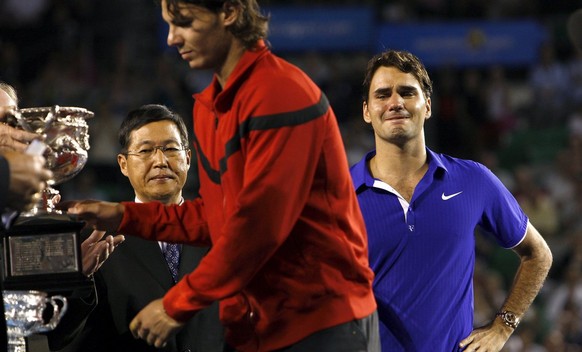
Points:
(133, 276)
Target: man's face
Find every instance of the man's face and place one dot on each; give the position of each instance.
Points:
(396, 107)
(203, 41)
(158, 177)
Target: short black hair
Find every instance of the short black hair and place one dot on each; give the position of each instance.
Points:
(146, 114)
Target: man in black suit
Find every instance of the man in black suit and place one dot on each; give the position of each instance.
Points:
(156, 159)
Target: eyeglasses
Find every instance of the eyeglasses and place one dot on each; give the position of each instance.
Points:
(148, 152)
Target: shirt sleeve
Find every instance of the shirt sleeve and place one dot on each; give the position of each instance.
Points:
(503, 217)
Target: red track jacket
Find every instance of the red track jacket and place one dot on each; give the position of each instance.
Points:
(289, 247)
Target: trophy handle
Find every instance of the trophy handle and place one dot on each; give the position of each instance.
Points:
(58, 311)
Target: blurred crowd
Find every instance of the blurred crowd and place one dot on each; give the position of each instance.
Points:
(524, 123)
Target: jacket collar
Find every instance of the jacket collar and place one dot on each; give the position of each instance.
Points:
(222, 98)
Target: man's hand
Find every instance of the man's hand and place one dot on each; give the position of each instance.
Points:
(490, 338)
(12, 138)
(153, 325)
(95, 251)
(28, 176)
(99, 215)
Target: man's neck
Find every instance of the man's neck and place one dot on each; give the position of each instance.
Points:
(224, 71)
(174, 200)
(398, 161)
(401, 168)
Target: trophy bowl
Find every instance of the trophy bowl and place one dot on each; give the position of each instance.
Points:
(66, 136)
(25, 315)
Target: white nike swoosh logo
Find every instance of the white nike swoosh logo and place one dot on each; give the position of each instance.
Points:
(444, 197)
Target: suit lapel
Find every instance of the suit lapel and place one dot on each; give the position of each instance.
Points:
(149, 255)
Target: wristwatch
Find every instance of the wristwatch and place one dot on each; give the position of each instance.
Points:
(509, 318)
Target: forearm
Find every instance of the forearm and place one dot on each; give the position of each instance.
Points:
(154, 221)
(527, 283)
(535, 262)
(536, 259)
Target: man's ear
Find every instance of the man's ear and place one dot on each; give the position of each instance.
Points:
(366, 113)
(122, 161)
(188, 157)
(231, 13)
(428, 109)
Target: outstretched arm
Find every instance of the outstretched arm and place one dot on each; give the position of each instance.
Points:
(536, 259)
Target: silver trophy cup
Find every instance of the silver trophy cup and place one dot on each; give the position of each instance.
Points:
(42, 247)
(24, 315)
(66, 136)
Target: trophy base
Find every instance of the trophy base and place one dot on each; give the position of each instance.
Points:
(44, 253)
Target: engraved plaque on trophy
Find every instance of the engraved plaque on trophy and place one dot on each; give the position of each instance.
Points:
(42, 248)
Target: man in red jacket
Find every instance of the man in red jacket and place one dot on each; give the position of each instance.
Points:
(289, 256)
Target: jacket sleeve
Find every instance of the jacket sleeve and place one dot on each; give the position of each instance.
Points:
(184, 223)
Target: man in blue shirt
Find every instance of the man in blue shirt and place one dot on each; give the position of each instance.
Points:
(421, 210)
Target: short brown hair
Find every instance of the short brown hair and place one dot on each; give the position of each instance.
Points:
(402, 60)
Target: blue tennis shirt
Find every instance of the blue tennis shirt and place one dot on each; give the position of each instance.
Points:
(423, 253)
